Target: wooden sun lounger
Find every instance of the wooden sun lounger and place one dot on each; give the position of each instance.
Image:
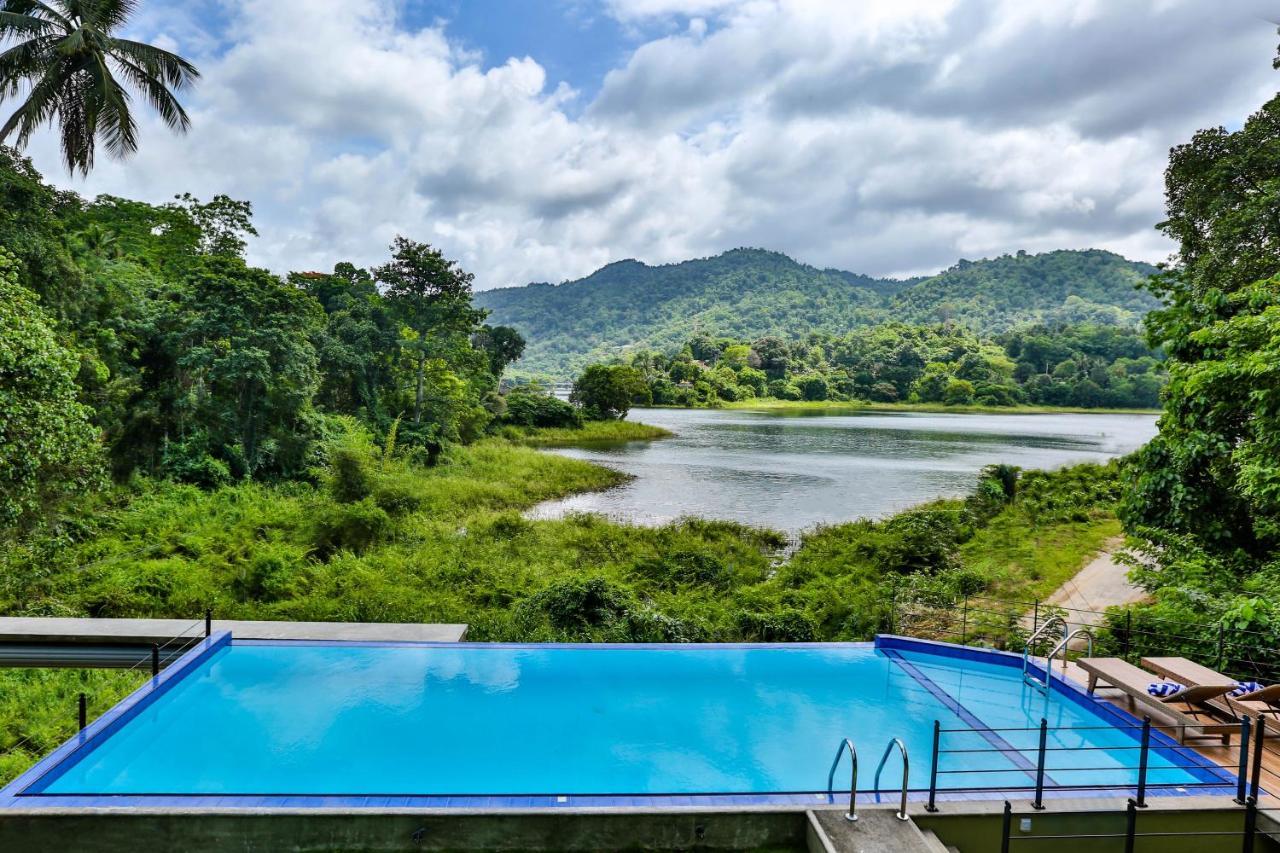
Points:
(1190, 673)
(1133, 682)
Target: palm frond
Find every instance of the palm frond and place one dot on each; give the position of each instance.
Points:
(40, 107)
(112, 14)
(158, 95)
(170, 67)
(37, 9)
(13, 23)
(112, 118)
(23, 62)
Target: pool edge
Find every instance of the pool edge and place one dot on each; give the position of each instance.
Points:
(82, 743)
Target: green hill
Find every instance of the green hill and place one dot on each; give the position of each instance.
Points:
(747, 293)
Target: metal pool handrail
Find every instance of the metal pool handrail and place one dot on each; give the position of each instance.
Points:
(1050, 623)
(906, 772)
(852, 814)
(1061, 647)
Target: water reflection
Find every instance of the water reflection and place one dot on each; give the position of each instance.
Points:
(791, 471)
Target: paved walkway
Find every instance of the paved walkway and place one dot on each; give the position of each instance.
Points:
(39, 629)
(1101, 584)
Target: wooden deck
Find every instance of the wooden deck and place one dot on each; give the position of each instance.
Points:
(1223, 756)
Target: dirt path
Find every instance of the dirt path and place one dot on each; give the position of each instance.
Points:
(1102, 583)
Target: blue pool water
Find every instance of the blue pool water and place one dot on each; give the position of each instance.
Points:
(260, 718)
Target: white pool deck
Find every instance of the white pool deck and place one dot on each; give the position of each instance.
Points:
(77, 631)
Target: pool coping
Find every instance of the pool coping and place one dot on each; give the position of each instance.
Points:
(18, 794)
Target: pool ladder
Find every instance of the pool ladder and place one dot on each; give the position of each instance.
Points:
(1061, 647)
(846, 745)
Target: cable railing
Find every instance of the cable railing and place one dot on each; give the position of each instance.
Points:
(1044, 758)
(966, 620)
(149, 664)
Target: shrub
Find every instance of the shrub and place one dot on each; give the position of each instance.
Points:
(352, 527)
(686, 568)
(530, 407)
(349, 477)
(397, 498)
(577, 604)
(780, 626)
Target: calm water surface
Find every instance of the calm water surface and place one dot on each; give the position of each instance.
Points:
(790, 471)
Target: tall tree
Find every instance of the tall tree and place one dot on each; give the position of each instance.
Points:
(69, 63)
(1211, 475)
(48, 447)
(432, 295)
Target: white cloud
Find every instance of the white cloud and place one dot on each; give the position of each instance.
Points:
(881, 137)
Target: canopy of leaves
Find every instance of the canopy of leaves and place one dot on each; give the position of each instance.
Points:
(1086, 366)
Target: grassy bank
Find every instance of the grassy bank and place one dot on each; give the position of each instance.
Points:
(833, 407)
(591, 432)
(380, 539)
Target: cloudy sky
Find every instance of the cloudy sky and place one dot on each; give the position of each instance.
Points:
(541, 139)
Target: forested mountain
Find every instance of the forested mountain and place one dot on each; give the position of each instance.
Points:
(750, 293)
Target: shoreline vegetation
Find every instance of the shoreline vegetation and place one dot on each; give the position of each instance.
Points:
(591, 432)
(378, 536)
(804, 407)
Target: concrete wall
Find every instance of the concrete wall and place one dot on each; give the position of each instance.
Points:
(980, 833)
(212, 832)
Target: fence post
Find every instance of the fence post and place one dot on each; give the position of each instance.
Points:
(1259, 734)
(1038, 805)
(1222, 640)
(155, 659)
(964, 623)
(1250, 825)
(1242, 773)
(1142, 762)
(84, 711)
(1035, 619)
(1006, 827)
(1131, 825)
(208, 622)
(1128, 633)
(933, 771)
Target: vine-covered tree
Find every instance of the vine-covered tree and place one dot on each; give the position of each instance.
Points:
(48, 446)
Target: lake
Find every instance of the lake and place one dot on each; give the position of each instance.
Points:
(790, 471)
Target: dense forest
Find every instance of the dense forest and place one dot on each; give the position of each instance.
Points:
(1084, 366)
(136, 341)
(747, 294)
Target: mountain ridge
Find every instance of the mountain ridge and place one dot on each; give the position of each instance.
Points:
(751, 292)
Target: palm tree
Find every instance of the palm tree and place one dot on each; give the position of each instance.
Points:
(70, 66)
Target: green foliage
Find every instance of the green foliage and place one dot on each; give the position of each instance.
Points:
(1203, 506)
(351, 526)
(1080, 366)
(749, 294)
(529, 406)
(607, 392)
(48, 447)
(197, 367)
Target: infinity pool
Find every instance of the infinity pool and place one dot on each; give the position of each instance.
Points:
(296, 719)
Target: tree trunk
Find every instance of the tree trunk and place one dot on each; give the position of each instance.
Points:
(417, 402)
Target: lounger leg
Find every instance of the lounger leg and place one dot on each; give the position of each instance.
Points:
(1093, 683)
